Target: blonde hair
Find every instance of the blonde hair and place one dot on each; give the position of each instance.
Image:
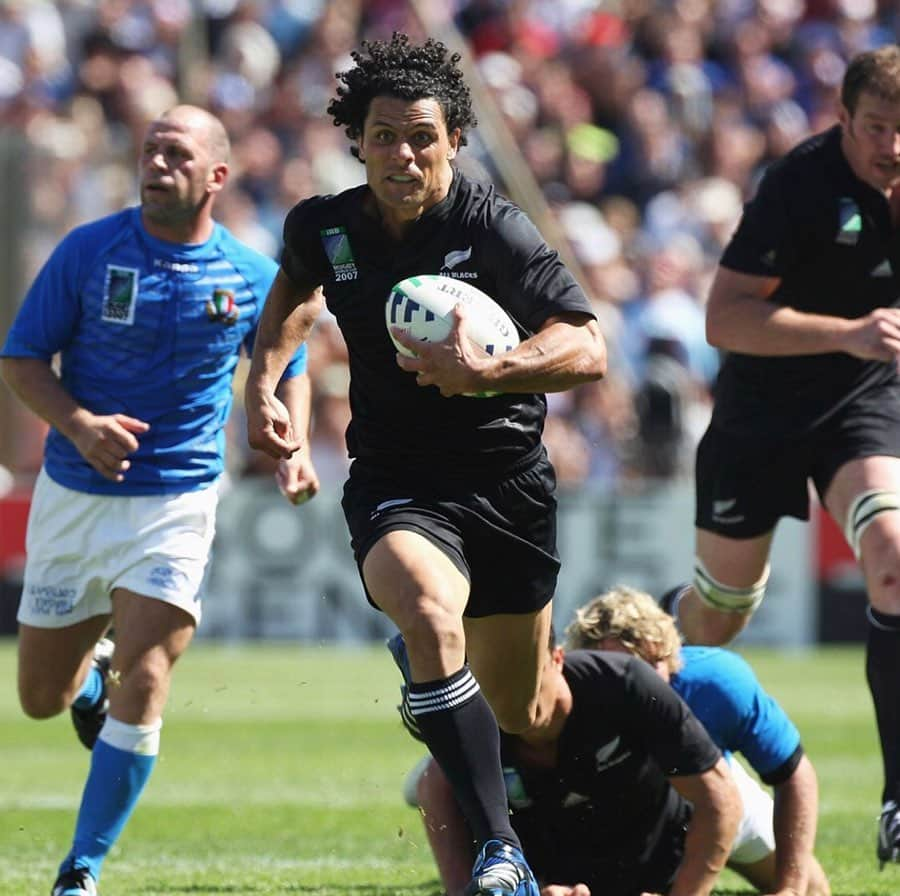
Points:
(631, 617)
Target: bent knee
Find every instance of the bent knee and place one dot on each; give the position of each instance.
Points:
(43, 701)
(515, 716)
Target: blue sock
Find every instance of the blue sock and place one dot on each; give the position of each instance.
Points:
(119, 771)
(91, 691)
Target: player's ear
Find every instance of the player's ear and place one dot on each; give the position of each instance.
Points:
(453, 139)
(217, 176)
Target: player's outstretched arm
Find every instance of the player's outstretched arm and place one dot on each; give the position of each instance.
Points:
(795, 817)
(717, 811)
(104, 441)
(286, 322)
(446, 829)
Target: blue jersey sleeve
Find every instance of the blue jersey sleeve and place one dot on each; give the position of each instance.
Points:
(48, 316)
(260, 273)
(725, 694)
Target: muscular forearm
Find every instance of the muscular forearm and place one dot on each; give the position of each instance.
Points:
(38, 387)
(756, 326)
(717, 809)
(742, 317)
(796, 811)
(296, 395)
(558, 357)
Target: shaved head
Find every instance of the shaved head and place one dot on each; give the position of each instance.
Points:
(183, 167)
(204, 125)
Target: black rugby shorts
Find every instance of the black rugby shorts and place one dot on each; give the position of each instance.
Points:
(745, 485)
(500, 535)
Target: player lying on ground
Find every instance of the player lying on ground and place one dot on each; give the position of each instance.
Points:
(774, 843)
(615, 790)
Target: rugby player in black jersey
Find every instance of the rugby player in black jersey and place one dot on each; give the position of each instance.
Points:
(616, 790)
(806, 301)
(450, 499)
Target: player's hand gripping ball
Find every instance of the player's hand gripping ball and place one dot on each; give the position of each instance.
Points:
(422, 306)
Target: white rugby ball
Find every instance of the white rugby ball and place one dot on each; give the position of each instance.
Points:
(423, 307)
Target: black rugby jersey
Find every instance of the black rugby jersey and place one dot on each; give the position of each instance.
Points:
(473, 234)
(608, 799)
(829, 237)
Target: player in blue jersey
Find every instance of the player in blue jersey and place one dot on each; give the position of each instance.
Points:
(774, 846)
(148, 310)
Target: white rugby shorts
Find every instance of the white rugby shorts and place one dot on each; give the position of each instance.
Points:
(80, 547)
(755, 837)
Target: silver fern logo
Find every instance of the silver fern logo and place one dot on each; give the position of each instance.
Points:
(457, 257)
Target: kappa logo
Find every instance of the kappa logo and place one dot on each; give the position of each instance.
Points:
(457, 257)
(337, 247)
(882, 270)
(120, 295)
(850, 222)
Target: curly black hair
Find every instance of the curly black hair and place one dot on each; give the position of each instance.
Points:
(406, 71)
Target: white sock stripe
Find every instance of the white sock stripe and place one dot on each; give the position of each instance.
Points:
(140, 739)
(447, 697)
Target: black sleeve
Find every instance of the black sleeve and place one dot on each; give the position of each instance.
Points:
(663, 722)
(302, 258)
(533, 284)
(765, 242)
(785, 770)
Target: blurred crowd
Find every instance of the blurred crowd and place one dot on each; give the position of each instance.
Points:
(645, 125)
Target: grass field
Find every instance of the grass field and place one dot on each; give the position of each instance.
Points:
(281, 770)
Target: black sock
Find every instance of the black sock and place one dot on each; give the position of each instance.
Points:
(883, 675)
(460, 729)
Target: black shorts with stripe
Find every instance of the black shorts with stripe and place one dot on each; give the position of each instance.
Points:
(746, 484)
(501, 535)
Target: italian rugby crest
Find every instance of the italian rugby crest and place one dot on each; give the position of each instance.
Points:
(222, 308)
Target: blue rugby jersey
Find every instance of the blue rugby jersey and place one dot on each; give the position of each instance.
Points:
(725, 694)
(150, 329)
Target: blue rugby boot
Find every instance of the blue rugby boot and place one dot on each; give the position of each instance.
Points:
(74, 882)
(501, 870)
(397, 647)
(88, 722)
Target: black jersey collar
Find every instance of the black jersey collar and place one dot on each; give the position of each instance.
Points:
(426, 224)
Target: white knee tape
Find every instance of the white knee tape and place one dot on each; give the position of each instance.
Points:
(726, 598)
(863, 510)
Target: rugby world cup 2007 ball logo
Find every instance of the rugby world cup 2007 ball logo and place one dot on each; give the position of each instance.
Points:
(222, 308)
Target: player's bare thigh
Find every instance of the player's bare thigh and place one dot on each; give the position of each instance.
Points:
(53, 663)
(880, 541)
(507, 653)
(424, 594)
